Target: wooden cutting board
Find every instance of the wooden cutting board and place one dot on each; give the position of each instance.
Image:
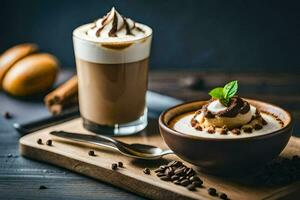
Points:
(74, 156)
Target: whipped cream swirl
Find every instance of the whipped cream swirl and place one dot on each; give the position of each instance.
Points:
(115, 25)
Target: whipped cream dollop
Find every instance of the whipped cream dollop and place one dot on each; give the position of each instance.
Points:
(113, 24)
(239, 113)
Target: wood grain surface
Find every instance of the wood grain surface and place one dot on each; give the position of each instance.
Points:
(74, 156)
(20, 178)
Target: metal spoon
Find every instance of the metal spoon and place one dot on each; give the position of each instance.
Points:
(140, 151)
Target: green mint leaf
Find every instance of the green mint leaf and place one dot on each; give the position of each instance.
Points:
(230, 89)
(224, 102)
(216, 93)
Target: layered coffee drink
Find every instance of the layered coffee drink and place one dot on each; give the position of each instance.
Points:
(112, 56)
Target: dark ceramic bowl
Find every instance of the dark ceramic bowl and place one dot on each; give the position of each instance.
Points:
(229, 155)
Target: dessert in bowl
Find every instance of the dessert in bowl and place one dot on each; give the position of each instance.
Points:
(227, 134)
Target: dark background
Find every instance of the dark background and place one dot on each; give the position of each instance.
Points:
(235, 35)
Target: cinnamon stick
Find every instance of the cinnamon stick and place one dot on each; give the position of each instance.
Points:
(63, 97)
(63, 92)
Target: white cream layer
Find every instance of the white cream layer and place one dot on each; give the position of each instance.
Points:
(183, 125)
(95, 49)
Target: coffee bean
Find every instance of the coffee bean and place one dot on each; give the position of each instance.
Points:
(171, 163)
(165, 178)
(49, 142)
(175, 164)
(42, 187)
(158, 170)
(146, 171)
(9, 155)
(223, 196)
(120, 164)
(185, 182)
(212, 191)
(191, 187)
(91, 153)
(169, 172)
(190, 172)
(39, 141)
(177, 182)
(174, 177)
(197, 183)
(114, 166)
(7, 115)
(194, 178)
(179, 171)
(160, 174)
(181, 178)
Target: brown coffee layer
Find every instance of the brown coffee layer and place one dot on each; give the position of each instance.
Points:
(112, 94)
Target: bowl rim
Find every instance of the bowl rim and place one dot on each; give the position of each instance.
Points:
(165, 126)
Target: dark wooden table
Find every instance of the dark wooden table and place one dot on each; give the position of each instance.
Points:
(21, 178)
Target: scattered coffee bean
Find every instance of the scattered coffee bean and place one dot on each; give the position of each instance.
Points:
(146, 171)
(212, 191)
(171, 163)
(165, 178)
(185, 182)
(42, 187)
(179, 171)
(174, 177)
(49, 142)
(169, 172)
(91, 153)
(223, 196)
(179, 174)
(120, 164)
(191, 187)
(190, 172)
(236, 131)
(194, 178)
(114, 166)
(257, 127)
(198, 183)
(7, 115)
(39, 141)
(160, 174)
(9, 155)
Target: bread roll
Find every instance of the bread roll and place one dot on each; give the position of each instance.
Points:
(13, 55)
(32, 74)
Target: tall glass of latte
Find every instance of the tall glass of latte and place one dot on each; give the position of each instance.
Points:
(112, 56)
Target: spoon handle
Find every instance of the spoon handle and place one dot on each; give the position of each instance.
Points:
(92, 139)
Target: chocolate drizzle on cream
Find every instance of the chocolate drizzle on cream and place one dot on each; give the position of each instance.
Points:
(236, 106)
(114, 25)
